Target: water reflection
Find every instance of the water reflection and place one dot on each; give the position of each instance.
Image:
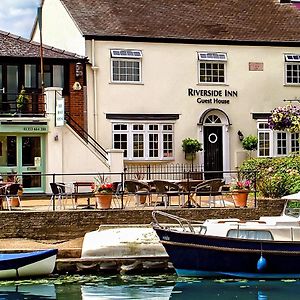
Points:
(29, 292)
(227, 290)
(159, 287)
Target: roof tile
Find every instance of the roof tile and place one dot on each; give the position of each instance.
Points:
(241, 20)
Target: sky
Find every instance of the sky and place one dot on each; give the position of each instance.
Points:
(18, 16)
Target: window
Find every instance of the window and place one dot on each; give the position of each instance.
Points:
(292, 68)
(276, 143)
(126, 65)
(250, 234)
(212, 67)
(53, 76)
(151, 141)
(30, 76)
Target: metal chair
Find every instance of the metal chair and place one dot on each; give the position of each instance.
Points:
(57, 193)
(67, 192)
(137, 189)
(12, 193)
(211, 188)
(166, 190)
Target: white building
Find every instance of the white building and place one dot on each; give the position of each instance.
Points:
(161, 71)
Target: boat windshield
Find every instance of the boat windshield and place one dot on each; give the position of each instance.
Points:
(292, 208)
(250, 234)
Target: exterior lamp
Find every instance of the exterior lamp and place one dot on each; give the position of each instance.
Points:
(240, 134)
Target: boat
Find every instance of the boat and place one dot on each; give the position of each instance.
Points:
(123, 247)
(27, 264)
(267, 248)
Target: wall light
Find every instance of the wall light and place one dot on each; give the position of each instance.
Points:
(56, 137)
(240, 134)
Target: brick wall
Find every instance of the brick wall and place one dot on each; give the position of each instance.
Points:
(75, 104)
(72, 224)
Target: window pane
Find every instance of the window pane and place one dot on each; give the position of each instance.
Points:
(153, 145)
(58, 76)
(281, 143)
(293, 73)
(138, 145)
(212, 72)
(30, 76)
(126, 70)
(295, 142)
(167, 145)
(31, 148)
(8, 150)
(120, 142)
(264, 144)
(12, 82)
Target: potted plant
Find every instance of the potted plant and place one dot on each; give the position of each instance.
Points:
(22, 100)
(103, 192)
(240, 190)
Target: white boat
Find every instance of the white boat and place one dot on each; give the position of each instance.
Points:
(264, 248)
(123, 246)
(27, 264)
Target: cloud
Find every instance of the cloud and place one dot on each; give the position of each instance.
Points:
(18, 16)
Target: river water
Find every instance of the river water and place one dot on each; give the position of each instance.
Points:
(160, 287)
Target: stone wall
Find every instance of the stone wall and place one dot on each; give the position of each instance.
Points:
(65, 225)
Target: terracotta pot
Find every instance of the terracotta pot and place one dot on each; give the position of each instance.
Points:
(103, 200)
(14, 202)
(143, 199)
(240, 197)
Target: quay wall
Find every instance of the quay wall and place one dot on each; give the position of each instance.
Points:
(70, 224)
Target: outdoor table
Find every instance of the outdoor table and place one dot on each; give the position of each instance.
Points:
(80, 184)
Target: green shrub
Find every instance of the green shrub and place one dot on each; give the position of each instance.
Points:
(250, 142)
(275, 177)
(190, 145)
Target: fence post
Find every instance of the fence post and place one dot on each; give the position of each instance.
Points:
(53, 203)
(122, 190)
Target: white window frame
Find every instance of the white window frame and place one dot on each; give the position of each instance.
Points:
(212, 58)
(292, 60)
(127, 56)
(146, 132)
(274, 142)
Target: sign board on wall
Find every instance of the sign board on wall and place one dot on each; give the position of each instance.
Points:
(59, 111)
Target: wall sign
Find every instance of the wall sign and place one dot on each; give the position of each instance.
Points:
(256, 66)
(212, 96)
(60, 111)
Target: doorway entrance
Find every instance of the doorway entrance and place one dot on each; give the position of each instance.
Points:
(22, 155)
(214, 135)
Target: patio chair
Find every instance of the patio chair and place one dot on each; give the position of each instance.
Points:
(11, 193)
(67, 189)
(58, 193)
(166, 190)
(211, 188)
(137, 189)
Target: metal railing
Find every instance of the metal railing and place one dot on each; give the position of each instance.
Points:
(86, 137)
(27, 104)
(84, 180)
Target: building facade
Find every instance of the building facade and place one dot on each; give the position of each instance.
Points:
(163, 71)
(32, 133)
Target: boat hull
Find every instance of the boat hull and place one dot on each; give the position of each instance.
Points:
(29, 264)
(212, 256)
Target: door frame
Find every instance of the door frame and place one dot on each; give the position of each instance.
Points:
(225, 123)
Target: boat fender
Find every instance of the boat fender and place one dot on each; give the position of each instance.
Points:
(261, 264)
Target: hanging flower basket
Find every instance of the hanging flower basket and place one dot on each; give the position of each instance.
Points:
(285, 118)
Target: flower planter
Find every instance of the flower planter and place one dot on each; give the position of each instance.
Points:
(103, 200)
(240, 197)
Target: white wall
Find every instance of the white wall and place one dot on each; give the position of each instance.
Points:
(58, 29)
(168, 70)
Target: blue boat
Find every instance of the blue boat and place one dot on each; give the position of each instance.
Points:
(27, 264)
(267, 248)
